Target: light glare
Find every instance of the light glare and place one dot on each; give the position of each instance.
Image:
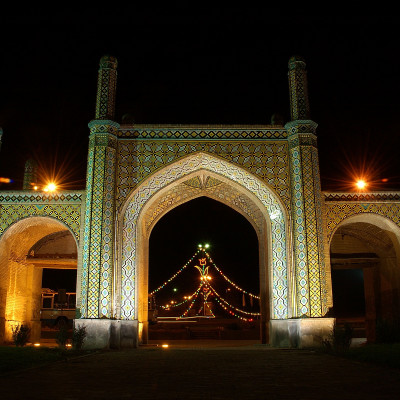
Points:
(361, 184)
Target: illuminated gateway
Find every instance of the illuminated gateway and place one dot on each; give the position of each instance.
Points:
(138, 173)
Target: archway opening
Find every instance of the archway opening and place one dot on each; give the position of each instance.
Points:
(365, 278)
(202, 174)
(38, 263)
(233, 249)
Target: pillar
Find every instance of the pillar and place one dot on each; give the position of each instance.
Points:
(309, 264)
(98, 238)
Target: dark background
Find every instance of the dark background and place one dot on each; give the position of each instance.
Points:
(199, 65)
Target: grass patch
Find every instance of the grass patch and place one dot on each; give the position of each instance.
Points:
(18, 358)
(387, 355)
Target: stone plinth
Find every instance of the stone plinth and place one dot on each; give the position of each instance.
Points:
(107, 333)
(300, 333)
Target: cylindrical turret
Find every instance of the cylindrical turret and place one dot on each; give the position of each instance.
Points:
(298, 89)
(30, 174)
(106, 88)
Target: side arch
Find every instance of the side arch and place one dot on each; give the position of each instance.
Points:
(383, 223)
(20, 281)
(274, 212)
(365, 265)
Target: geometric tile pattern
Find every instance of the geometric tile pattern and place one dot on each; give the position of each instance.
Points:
(298, 90)
(267, 159)
(178, 170)
(299, 234)
(338, 210)
(98, 254)
(234, 132)
(65, 207)
(106, 88)
(312, 293)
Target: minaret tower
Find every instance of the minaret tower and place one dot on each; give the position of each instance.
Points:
(30, 174)
(309, 264)
(98, 237)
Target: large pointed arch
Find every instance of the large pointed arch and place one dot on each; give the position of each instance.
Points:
(269, 203)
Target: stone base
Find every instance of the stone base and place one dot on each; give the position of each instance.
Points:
(107, 333)
(300, 333)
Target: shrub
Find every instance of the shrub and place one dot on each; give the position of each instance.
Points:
(78, 337)
(340, 339)
(20, 334)
(62, 336)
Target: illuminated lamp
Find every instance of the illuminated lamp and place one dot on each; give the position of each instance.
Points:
(50, 187)
(361, 184)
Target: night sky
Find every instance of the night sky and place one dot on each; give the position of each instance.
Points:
(186, 65)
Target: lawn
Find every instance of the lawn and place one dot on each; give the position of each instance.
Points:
(387, 355)
(17, 358)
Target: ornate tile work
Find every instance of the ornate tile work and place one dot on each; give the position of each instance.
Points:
(312, 288)
(96, 233)
(299, 233)
(202, 132)
(96, 279)
(65, 207)
(177, 170)
(338, 211)
(313, 239)
(218, 190)
(108, 234)
(106, 88)
(87, 230)
(298, 90)
(325, 295)
(137, 159)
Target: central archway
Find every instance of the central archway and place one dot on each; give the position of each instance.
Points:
(202, 174)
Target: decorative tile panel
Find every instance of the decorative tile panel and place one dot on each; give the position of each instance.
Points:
(137, 159)
(63, 206)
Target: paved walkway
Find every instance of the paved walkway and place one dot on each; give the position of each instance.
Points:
(216, 371)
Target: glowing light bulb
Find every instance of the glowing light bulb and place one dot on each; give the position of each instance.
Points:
(361, 184)
(50, 187)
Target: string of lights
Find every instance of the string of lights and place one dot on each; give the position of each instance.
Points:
(193, 300)
(178, 304)
(172, 305)
(231, 312)
(175, 275)
(232, 306)
(228, 280)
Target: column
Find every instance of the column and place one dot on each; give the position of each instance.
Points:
(309, 264)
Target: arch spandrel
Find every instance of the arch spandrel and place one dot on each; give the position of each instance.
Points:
(273, 209)
(266, 159)
(65, 207)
